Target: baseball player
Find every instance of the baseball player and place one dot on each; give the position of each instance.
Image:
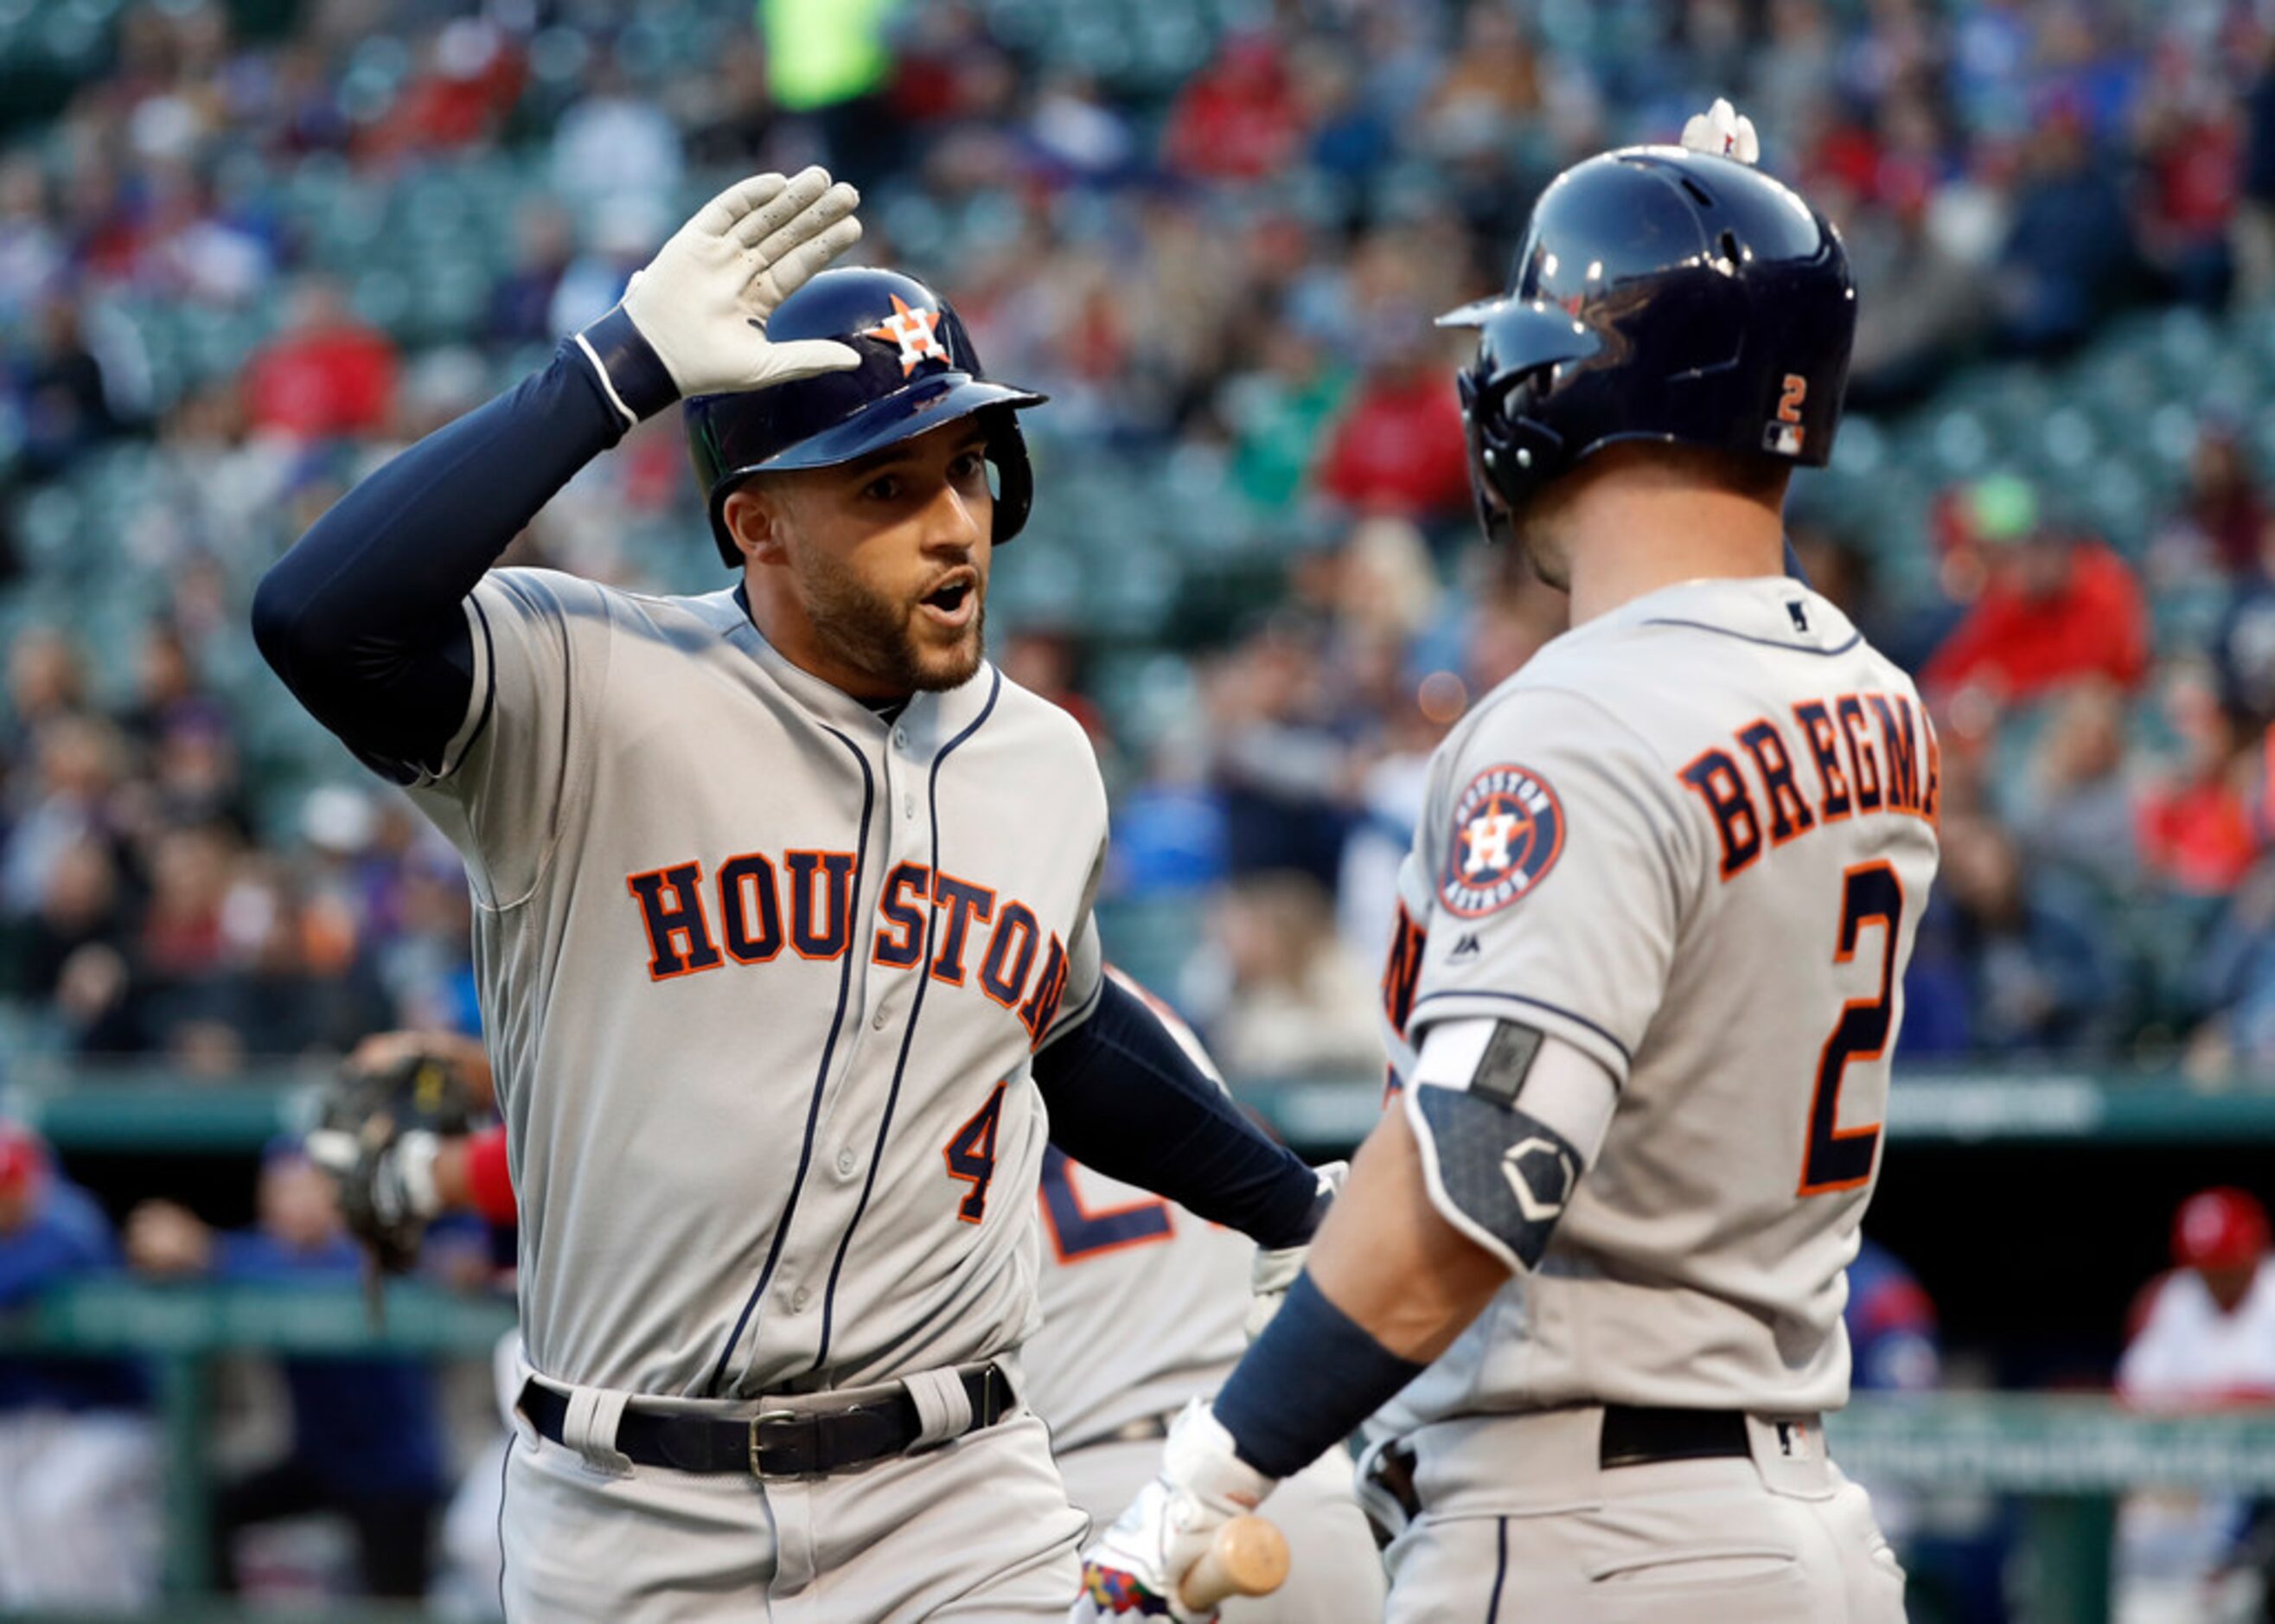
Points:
(2204, 1338)
(782, 928)
(1116, 1257)
(1644, 991)
(2206, 1330)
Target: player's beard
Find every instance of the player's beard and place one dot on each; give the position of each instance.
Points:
(881, 635)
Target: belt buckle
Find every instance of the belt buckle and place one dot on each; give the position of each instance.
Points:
(758, 1421)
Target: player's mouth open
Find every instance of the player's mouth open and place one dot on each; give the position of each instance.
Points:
(953, 601)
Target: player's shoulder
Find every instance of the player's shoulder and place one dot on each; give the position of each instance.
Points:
(553, 589)
(1697, 647)
(529, 592)
(2168, 1301)
(73, 1210)
(1723, 625)
(1037, 723)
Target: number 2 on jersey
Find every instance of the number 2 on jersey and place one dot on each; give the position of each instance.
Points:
(971, 1156)
(1838, 1158)
(1076, 1232)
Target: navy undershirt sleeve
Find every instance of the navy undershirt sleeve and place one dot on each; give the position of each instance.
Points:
(1126, 1099)
(362, 617)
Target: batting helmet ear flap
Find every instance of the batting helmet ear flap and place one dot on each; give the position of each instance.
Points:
(721, 533)
(1015, 474)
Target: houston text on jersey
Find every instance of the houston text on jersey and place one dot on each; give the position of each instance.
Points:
(746, 897)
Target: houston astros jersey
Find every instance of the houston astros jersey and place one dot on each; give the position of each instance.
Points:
(1143, 1302)
(762, 972)
(1691, 838)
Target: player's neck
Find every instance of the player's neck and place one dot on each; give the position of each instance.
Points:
(1629, 536)
(781, 619)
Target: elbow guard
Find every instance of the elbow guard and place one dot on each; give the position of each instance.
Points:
(1508, 1119)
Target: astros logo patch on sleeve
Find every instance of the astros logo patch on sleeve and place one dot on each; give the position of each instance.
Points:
(1509, 828)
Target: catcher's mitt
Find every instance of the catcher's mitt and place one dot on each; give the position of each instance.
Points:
(377, 1128)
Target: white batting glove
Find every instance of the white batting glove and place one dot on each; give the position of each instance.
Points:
(1275, 1268)
(1135, 1570)
(702, 303)
(1725, 131)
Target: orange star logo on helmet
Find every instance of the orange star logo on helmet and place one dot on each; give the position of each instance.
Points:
(916, 333)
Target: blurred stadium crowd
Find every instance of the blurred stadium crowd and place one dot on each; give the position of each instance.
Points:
(247, 249)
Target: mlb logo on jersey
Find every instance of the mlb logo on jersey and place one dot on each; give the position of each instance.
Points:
(915, 331)
(1508, 829)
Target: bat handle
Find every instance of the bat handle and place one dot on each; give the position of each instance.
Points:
(1249, 1556)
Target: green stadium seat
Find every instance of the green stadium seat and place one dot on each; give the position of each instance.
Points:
(1961, 444)
(382, 297)
(48, 526)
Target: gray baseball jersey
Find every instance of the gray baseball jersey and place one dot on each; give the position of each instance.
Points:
(1691, 838)
(1144, 1306)
(1142, 1303)
(762, 972)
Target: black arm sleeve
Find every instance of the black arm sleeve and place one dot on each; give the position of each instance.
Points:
(361, 618)
(1125, 1099)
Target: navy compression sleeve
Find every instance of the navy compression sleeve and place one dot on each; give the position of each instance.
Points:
(1308, 1383)
(1126, 1099)
(362, 617)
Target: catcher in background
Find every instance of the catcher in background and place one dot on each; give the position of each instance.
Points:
(396, 1128)
(1586, 1276)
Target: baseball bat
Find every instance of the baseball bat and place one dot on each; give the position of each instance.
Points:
(1248, 1558)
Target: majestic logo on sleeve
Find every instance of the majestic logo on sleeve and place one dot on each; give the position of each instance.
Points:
(914, 331)
(1508, 829)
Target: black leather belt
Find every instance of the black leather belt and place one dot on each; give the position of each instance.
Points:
(776, 1443)
(1638, 1437)
(1633, 1436)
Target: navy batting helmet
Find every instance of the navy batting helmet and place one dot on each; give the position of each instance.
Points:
(1666, 295)
(917, 371)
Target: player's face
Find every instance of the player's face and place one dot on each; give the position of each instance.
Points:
(887, 562)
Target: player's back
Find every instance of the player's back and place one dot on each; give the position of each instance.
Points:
(1142, 1302)
(1142, 1305)
(1748, 791)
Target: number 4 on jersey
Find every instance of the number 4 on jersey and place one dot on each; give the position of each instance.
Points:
(1839, 1159)
(971, 1156)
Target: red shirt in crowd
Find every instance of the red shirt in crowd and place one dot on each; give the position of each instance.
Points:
(2020, 646)
(2197, 837)
(1400, 449)
(333, 381)
(1236, 121)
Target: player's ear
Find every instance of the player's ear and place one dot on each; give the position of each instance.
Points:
(755, 518)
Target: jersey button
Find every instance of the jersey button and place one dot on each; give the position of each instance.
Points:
(878, 1019)
(846, 1162)
(798, 1299)
(901, 737)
